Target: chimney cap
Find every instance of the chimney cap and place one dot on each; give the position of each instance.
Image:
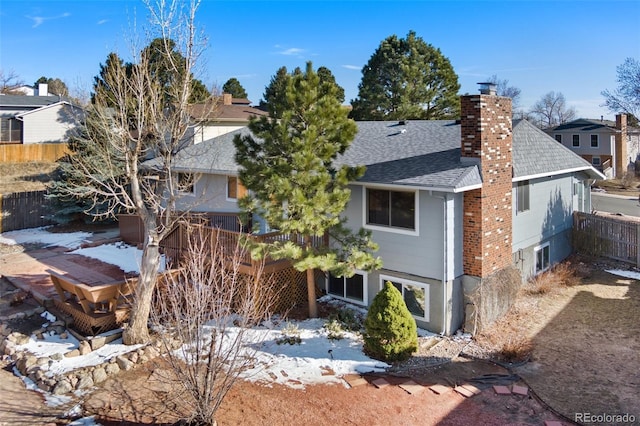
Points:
(488, 88)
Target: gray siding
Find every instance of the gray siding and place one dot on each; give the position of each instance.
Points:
(549, 220)
(210, 195)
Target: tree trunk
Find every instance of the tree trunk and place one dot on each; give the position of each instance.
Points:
(311, 294)
(137, 332)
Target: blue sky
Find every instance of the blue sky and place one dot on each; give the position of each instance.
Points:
(571, 47)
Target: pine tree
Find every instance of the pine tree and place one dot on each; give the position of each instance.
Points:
(407, 79)
(390, 330)
(234, 88)
(287, 166)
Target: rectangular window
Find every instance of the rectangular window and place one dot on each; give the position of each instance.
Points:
(542, 258)
(575, 140)
(415, 295)
(596, 161)
(594, 141)
(522, 196)
(559, 138)
(394, 209)
(235, 189)
(351, 289)
(10, 130)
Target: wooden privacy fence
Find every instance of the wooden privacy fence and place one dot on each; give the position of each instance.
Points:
(22, 210)
(37, 152)
(610, 236)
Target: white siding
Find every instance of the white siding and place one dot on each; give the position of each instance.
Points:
(53, 124)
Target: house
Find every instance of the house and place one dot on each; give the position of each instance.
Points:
(37, 119)
(612, 147)
(223, 116)
(452, 204)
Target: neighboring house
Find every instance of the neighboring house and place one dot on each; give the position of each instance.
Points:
(449, 203)
(37, 119)
(225, 115)
(610, 146)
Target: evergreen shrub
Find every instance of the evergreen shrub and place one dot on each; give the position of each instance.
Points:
(390, 330)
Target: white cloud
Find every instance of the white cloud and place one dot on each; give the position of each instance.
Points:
(352, 67)
(39, 20)
(102, 21)
(290, 51)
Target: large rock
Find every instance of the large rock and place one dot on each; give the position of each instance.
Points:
(112, 369)
(85, 381)
(99, 375)
(62, 387)
(84, 348)
(124, 363)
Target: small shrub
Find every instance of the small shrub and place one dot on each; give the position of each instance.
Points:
(390, 330)
(334, 330)
(516, 348)
(560, 275)
(348, 319)
(290, 335)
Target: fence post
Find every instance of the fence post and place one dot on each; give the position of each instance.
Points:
(1, 213)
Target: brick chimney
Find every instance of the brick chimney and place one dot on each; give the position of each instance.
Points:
(621, 145)
(227, 99)
(486, 139)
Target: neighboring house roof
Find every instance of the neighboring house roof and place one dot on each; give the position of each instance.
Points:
(45, 107)
(585, 125)
(221, 112)
(422, 153)
(27, 101)
(536, 154)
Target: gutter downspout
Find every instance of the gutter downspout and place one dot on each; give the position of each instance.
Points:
(444, 263)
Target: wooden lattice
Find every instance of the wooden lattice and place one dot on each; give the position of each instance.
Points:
(94, 323)
(290, 287)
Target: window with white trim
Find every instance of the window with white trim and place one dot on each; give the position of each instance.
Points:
(575, 140)
(392, 209)
(594, 141)
(415, 295)
(558, 138)
(353, 289)
(543, 258)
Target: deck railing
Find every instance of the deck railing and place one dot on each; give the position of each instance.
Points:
(221, 228)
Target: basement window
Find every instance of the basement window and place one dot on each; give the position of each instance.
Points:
(415, 295)
(352, 289)
(542, 258)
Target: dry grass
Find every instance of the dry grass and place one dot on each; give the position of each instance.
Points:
(508, 339)
(628, 185)
(563, 274)
(19, 177)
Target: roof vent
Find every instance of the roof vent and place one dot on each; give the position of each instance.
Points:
(402, 122)
(488, 88)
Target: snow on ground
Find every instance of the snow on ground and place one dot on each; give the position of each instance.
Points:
(41, 235)
(120, 254)
(127, 257)
(627, 274)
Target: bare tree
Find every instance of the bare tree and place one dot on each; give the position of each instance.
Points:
(9, 82)
(503, 89)
(138, 119)
(626, 97)
(206, 311)
(551, 110)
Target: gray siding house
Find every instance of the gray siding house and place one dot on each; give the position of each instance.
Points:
(612, 147)
(450, 203)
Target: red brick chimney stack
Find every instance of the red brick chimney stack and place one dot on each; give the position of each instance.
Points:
(486, 139)
(621, 145)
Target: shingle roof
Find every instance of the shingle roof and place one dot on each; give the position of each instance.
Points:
(585, 124)
(221, 112)
(27, 101)
(535, 153)
(418, 153)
